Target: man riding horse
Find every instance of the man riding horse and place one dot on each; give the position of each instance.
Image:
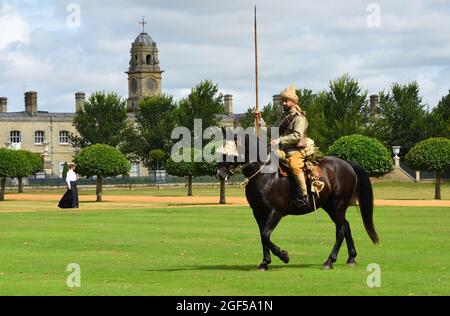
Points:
(270, 195)
(293, 125)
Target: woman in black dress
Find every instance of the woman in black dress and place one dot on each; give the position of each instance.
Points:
(70, 198)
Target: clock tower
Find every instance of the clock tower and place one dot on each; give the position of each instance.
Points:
(144, 75)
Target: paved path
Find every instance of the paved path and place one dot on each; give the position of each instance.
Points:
(200, 200)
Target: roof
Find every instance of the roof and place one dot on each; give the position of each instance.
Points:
(143, 39)
(40, 115)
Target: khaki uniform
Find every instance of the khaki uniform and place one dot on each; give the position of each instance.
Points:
(291, 137)
(289, 140)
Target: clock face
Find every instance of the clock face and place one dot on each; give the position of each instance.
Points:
(152, 85)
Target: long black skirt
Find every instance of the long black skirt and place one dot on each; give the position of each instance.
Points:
(67, 200)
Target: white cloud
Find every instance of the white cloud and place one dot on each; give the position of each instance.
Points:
(25, 67)
(306, 42)
(14, 28)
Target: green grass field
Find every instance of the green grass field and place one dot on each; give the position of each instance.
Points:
(215, 251)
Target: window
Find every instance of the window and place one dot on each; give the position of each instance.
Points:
(134, 172)
(15, 137)
(149, 59)
(39, 137)
(61, 168)
(64, 137)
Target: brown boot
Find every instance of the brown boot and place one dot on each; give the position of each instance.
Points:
(303, 199)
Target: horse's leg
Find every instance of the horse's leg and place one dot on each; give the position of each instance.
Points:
(261, 218)
(337, 214)
(272, 222)
(267, 223)
(350, 244)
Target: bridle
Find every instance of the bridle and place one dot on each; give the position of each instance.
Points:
(242, 167)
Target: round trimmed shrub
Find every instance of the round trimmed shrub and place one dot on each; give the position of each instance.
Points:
(7, 166)
(101, 160)
(366, 151)
(35, 160)
(432, 154)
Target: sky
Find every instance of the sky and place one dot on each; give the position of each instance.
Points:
(58, 47)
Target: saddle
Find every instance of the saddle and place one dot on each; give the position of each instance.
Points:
(312, 170)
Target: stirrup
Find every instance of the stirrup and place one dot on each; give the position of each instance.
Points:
(303, 201)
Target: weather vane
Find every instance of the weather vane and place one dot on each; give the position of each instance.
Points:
(143, 22)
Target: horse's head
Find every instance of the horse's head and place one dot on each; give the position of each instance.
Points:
(224, 171)
(229, 163)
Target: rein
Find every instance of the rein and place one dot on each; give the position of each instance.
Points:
(240, 168)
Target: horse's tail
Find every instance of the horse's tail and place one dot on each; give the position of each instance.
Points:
(364, 194)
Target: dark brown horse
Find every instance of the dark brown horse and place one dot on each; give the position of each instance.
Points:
(270, 197)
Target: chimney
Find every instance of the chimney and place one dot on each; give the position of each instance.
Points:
(80, 98)
(228, 100)
(373, 105)
(31, 102)
(276, 100)
(3, 105)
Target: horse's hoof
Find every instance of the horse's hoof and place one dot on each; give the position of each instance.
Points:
(263, 267)
(284, 256)
(351, 263)
(327, 266)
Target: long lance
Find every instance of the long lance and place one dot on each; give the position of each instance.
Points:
(256, 79)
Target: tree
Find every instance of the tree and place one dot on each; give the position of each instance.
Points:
(340, 111)
(65, 170)
(102, 161)
(248, 119)
(23, 167)
(157, 155)
(7, 169)
(344, 110)
(309, 102)
(270, 114)
(13, 164)
(368, 152)
(36, 163)
(204, 102)
(190, 169)
(402, 118)
(314, 106)
(440, 118)
(432, 154)
(152, 129)
(102, 121)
